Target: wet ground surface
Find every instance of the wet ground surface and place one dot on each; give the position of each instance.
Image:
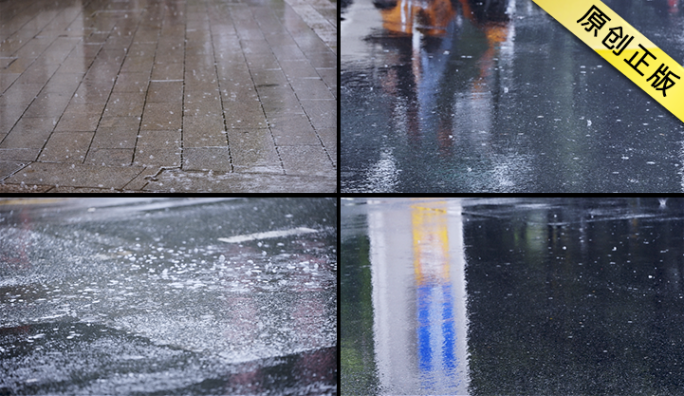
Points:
(168, 95)
(512, 296)
(496, 96)
(203, 296)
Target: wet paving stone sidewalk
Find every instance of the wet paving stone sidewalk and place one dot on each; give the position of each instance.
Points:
(163, 96)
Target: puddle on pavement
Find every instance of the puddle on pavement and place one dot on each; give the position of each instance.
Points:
(496, 96)
(143, 296)
(512, 296)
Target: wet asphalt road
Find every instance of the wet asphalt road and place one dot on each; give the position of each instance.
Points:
(512, 296)
(496, 96)
(143, 296)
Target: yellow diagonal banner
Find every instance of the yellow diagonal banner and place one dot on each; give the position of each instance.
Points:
(623, 47)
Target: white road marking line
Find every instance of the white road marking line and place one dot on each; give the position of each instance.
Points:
(266, 235)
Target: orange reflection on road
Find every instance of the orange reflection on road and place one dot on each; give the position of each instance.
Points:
(432, 17)
(430, 245)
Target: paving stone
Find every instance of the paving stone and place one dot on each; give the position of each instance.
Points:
(91, 94)
(321, 113)
(23, 188)
(66, 83)
(325, 59)
(6, 80)
(116, 133)
(132, 82)
(19, 96)
(270, 78)
(85, 190)
(7, 121)
(159, 139)
(200, 84)
(8, 166)
(305, 160)
(38, 124)
(138, 64)
(74, 175)
(262, 61)
(67, 147)
(253, 46)
(34, 139)
(5, 61)
(125, 104)
(201, 131)
(19, 154)
(158, 157)
(329, 76)
(207, 158)
(233, 68)
(253, 150)
(311, 89)
(202, 104)
(48, 104)
(140, 181)
(299, 68)
(275, 100)
(162, 116)
(214, 182)
(293, 130)
(238, 118)
(110, 157)
(329, 138)
(165, 92)
(158, 148)
(79, 107)
(19, 65)
(167, 71)
(78, 122)
(288, 137)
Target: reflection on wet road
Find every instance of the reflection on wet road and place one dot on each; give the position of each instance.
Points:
(512, 296)
(496, 96)
(203, 296)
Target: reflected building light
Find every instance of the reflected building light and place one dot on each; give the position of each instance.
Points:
(419, 299)
(438, 261)
(389, 305)
(506, 58)
(510, 10)
(407, 16)
(416, 39)
(507, 47)
(405, 9)
(383, 175)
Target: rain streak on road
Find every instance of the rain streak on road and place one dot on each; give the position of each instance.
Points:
(497, 96)
(512, 296)
(168, 296)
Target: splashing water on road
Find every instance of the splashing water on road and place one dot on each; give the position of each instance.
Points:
(144, 296)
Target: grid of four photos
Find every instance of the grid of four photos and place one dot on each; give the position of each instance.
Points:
(366, 197)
